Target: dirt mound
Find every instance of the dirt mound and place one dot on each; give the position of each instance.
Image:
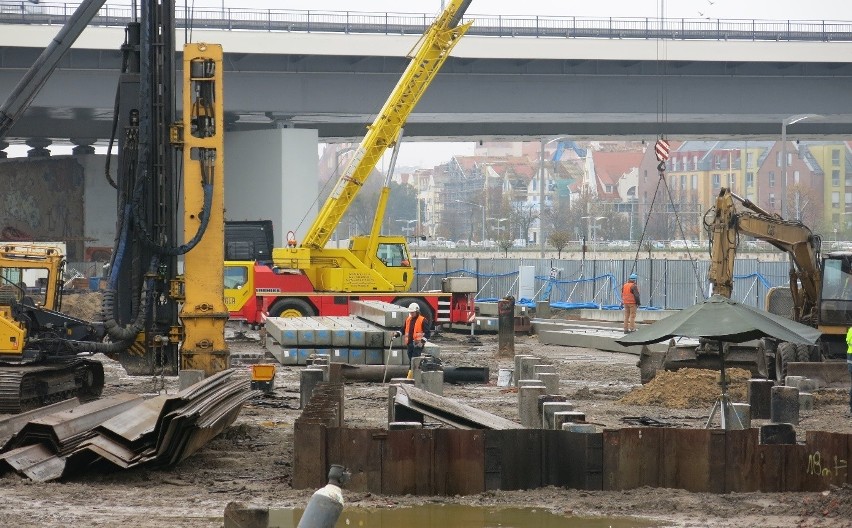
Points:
(85, 306)
(688, 388)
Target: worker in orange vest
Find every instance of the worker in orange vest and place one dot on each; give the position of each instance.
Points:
(630, 300)
(415, 332)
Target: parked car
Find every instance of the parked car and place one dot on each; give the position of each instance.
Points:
(677, 244)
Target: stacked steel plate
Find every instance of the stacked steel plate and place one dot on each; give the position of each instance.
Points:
(123, 430)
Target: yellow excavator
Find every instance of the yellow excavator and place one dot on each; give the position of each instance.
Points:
(819, 293)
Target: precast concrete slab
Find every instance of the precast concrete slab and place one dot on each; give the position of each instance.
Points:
(490, 309)
(379, 312)
(642, 316)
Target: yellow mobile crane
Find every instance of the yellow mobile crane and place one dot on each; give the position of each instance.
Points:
(359, 268)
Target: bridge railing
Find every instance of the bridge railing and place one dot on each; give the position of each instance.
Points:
(391, 23)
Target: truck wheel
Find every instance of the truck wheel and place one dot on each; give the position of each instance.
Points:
(804, 353)
(291, 308)
(425, 309)
(785, 354)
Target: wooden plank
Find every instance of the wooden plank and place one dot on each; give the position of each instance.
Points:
(827, 460)
(741, 468)
(631, 458)
(310, 466)
(459, 462)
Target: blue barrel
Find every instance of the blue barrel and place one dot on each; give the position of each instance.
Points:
(94, 282)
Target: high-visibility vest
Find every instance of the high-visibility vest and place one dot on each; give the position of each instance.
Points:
(849, 345)
(627, 293)
(417, 320)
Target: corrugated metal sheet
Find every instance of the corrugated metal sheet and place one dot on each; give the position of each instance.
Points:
(127, 430)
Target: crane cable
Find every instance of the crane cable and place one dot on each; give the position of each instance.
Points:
(661, 147)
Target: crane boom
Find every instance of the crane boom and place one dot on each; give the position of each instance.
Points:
(434, 48)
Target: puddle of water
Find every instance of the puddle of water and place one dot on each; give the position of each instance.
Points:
(458, 516)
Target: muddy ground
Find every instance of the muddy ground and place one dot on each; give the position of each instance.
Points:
(251, 462)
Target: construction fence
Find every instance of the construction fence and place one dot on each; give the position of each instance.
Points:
(663, 284)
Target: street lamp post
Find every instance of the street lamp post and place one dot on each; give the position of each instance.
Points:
(784, 124)
(592, 227)
(541, 230)
(482, 208)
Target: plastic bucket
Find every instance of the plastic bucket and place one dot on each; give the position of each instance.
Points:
(504, 377)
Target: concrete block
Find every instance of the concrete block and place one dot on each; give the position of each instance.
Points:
(563, 417)
(302, 355)
(357, 356)
(806, 401)
(531, 383)
(528, 408)
(379, 312)
(308, 380)
(784, 406)
(396, 356)
(340, 355)
(807, 385)
(548, 409)
(430, 381)
(759, 397)
(527, 368)
(541, 368)
(550, 380)
(432, 349)
(189, 377)
(793, 381)
(374, 356)
(517, 373)
(285, 356)
(579, 428)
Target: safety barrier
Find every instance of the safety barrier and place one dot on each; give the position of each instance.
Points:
(664, 284)
(464, 462)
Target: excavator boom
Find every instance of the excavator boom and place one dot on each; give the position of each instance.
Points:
(791, 237)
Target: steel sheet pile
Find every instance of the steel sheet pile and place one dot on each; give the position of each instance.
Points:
(123, 430)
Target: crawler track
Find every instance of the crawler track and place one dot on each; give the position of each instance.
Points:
(24, 387)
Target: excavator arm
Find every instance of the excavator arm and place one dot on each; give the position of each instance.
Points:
(726, 224)
(432, 50)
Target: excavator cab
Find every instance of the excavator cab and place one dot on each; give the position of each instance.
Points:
(835, 304)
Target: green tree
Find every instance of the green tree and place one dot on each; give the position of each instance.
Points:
(559, 240)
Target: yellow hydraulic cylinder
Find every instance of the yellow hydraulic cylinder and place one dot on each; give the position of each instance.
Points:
(204, 313)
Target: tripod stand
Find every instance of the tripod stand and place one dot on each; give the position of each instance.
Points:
(723, 403)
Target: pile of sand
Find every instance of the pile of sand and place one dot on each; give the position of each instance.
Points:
(85, 306)
(688, 388)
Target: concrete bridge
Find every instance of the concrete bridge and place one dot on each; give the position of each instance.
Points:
(511, 77)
